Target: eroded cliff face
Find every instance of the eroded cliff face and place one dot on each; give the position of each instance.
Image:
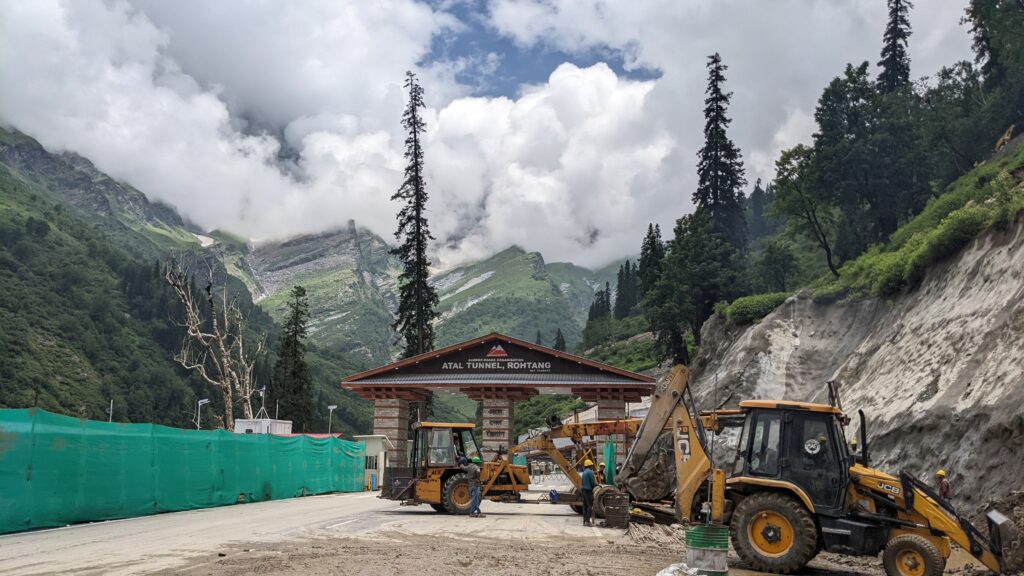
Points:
(939, 371)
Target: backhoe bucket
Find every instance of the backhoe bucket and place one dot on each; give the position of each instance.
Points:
(1001, 530)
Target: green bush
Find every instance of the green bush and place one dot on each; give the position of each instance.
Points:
(635, 356)
(829, 293)
(889, 275)
(750, 309)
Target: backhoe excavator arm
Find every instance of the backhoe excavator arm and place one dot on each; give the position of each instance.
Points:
(672, 410)
(576, 431)
(545, 443)
(922, 502)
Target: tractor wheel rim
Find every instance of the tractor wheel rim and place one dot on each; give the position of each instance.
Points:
(461, 496)
(910, 563)
(771, 534)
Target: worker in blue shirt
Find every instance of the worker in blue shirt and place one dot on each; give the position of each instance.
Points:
(587, 484)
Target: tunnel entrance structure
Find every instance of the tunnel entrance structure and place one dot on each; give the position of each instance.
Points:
(498, 371)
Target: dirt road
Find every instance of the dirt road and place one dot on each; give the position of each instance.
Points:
(355, 534)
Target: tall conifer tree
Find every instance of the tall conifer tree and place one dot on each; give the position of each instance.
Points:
(720, 175)
(559, 340)
(621, 306)
(292, 383)
(652, 252)
(417, 298)
(895, 62)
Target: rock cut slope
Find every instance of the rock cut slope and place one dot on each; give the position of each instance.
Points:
(939, 371)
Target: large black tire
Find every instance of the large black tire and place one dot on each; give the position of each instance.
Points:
(439, 508)
(912, 555)
(577, 508)
(773, 532)
(455, 495)
(599, 493)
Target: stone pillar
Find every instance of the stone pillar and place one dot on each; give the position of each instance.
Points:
(391, 418)
(498, 415)
(612, 410)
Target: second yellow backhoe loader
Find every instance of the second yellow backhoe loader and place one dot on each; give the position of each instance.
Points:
(795, 488)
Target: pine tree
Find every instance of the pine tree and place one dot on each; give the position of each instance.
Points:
(417, 298)
(598, 326)
(698, 272)
(292, 383)
(540, 339)
(652, 252)
(559, 340)
(626, 292)
(719, 167)
(895, 62)
(621, 307)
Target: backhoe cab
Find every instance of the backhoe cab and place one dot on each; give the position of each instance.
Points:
(435, 477)
(796, 489)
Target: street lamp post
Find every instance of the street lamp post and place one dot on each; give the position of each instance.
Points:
(330, 412)
(199, 411)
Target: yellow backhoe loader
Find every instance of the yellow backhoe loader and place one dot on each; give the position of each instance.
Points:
(577, 432)
(795, 488)
(435, 477)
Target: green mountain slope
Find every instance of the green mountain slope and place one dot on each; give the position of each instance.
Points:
(350, 279)
(81, 321)
(129, 219)
(85, 314)
(516, 293)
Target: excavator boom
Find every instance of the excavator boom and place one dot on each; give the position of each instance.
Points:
(645, 472)
(577, 432)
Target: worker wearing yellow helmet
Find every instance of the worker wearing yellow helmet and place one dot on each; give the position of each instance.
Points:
(944, 490)
(599, 474)
(588, 481)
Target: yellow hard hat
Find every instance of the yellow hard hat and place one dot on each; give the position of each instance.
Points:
(853, 442)
(941, 473)
(601, 464)
(588, 462)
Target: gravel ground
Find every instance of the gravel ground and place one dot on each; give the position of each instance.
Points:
(388, 553)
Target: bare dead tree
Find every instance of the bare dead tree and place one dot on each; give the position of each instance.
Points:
(214, 343)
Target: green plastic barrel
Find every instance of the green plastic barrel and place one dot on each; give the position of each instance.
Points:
(707, 549)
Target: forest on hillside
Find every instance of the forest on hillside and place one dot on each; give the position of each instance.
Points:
(896, 177)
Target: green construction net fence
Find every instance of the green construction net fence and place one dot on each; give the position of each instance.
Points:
(609, 463)
(57, 470)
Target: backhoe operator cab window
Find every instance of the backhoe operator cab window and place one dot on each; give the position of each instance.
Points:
(469, 447)
(441, 449)
(764, 436)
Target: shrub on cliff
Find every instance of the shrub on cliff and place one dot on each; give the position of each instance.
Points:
(749, 309)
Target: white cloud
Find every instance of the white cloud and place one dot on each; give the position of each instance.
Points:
(566, 168)
(272, 119)
(780, 54)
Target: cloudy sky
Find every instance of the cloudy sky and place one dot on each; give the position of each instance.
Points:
(563, 126)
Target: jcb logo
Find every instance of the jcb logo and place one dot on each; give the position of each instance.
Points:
(684, 444)
(895, 491)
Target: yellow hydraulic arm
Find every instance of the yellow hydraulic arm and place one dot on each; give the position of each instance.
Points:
(671, 410)
(576, 431)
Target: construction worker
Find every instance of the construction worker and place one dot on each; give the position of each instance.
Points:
(473, 471)
(944, 489)
(588, 481)
(600, 473)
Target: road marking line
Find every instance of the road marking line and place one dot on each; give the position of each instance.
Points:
(341, 523)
